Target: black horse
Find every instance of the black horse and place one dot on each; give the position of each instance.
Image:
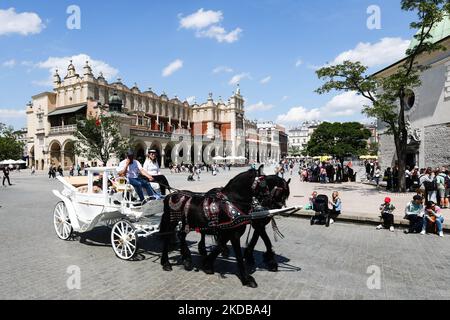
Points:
(278, 193)
(224, 210)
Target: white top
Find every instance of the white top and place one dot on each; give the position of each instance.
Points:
(133, 169)
(152, 167)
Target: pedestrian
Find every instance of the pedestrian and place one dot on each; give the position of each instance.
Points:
(376, 176)
(33, 170)
(433, 216)
(78, 170)
(388, 178)
(447, 190)
(440, 181)
(337, 206)
(387, 216)
(414, 213)
(6, 172)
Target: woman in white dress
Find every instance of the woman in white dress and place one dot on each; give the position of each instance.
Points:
(151, 166)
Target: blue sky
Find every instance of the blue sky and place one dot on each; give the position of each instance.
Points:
(278, 41)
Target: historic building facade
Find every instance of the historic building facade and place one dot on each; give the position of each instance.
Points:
(428, 109)
(153, 122)
(300, 136)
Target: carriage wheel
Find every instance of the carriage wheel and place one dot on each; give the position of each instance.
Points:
(124, 240)
(61, 221)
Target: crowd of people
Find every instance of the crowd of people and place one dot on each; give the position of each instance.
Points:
(333, 171)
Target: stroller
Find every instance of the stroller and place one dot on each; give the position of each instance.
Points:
(322, 215)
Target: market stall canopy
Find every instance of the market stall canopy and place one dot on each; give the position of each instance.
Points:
(368, 158)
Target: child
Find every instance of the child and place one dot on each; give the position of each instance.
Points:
(337, 206)
(386, 215)
(433, 215)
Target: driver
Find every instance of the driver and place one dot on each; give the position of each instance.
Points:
(131, 168)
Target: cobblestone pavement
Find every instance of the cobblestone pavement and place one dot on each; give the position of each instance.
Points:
(315, 262)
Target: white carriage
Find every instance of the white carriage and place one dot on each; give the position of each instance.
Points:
(84, 206)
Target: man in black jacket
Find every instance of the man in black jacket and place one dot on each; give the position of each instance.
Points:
(6, 175)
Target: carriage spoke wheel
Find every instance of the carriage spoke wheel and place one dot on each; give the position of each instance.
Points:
(61, 221)
(124, 240)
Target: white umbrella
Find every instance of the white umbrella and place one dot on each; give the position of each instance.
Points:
(8, 162)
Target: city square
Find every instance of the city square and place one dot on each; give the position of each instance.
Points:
(314, 262)
(146, 146)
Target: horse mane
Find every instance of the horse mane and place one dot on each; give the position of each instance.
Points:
(238, 177)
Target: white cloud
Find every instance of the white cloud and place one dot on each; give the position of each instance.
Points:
(24, 23)
(207, 25)
(201, 19)
(298, 63)
(220, 34)
(222, 69)
(386, 51)
(284, 98)
(172, 67)
(299, 114)
(266, 80)
(61, 63)
(9, 64)
(260, 106)
(11, 114)
(191, 100)
(345, 104)
(237, 78)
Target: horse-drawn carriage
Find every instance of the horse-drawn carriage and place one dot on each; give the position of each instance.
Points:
(104, 198)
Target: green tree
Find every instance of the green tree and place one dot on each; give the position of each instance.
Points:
(100, 138)
(294, 151)
(10, 148)
(387, 96)
(372, 148)
(338, 140)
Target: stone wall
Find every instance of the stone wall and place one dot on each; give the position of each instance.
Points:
(386, 151)
(437, 142)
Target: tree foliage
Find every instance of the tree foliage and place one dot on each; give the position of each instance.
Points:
(10, 147)
(100, 139)
(338, 140)
(386, 96)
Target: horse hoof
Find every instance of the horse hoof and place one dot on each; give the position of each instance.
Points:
(167, 267)
(250, 282)
(188, 265)
(208, 271)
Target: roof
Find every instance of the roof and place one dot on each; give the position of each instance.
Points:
(66, 110)
(438, 33)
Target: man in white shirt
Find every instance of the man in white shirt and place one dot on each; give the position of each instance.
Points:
(131, 169)
(151, 166)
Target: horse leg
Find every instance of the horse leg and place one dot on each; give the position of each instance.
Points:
(248, 252)
(208, 262)
(202, 245)
(185, 252)
(269, 255)
(246, 279)
(165, 254)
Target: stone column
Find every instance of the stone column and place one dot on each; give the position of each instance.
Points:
(163, 166)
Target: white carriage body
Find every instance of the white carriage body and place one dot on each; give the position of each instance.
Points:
(86, 207)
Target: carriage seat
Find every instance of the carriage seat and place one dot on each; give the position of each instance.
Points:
(80, 181)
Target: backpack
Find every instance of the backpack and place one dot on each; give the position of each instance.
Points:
(431, 185)
(447, 182)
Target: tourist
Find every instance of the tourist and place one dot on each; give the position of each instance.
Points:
(447, 189)
(33, 170)
(388, 178)
(78, 170)
(151, 166)
(408, 178)
(440, 181)
(414, 212)
(433, 216)
(376, 176)
(429, 186)
(6, 172)
(131, 169)
(395, 179)
(387, 216)
(337, 206)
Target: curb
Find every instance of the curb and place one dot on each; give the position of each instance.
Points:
(360, 219)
